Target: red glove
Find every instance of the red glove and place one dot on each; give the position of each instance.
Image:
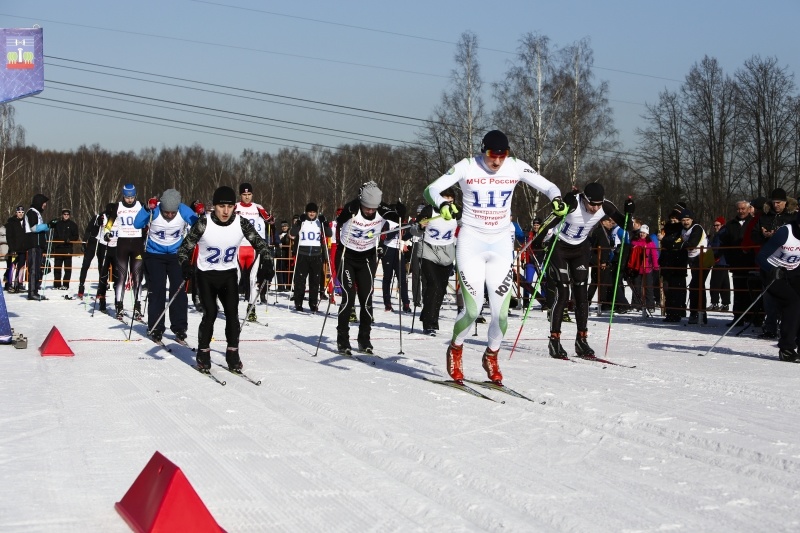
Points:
(152, 203)
(199, 208)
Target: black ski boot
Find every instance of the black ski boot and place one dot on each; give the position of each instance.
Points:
(180, 334)
(365, 346)
(203, 359)
(156, 335)
(101, 303)
(788, 355)
(137, 311)
(233, 360)
(582, 348)
(554, 346)
(343, 346)
(120, 312)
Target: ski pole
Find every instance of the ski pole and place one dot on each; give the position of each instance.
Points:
(538, 284)
(166, 308)
(616, 281)
(740, 317)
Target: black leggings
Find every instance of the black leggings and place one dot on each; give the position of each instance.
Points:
(222, 284)
(356, 277)
(569, 264)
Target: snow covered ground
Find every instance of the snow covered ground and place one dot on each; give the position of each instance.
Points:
(679, 443)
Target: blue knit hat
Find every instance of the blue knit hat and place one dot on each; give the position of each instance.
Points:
(129, 189)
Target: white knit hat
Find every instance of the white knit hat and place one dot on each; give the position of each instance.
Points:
(370, 195)
(644, 229)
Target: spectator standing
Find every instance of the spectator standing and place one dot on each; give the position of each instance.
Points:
(395, 261)
(672, 262)
(738, 259)
(64, 235)
(642, 268)
(720, 281)
(15, 235)
(36, 231)
(694, 242)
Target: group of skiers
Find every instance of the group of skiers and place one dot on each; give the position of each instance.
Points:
(228, 250)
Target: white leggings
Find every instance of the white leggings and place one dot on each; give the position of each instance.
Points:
(484, 260)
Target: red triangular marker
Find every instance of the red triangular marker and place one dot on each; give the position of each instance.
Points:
(162, 499)
(55, 344)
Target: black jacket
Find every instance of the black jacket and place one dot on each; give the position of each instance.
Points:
(64, 235)
(15, 234)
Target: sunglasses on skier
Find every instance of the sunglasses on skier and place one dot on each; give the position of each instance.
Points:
(497, 153)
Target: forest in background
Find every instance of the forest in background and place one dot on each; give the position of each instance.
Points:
(719, 138)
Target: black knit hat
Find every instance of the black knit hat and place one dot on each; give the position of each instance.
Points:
(494, 140)
(245, 187)
(778, 194)
(224, 195)
(594, 192)
(311, 206)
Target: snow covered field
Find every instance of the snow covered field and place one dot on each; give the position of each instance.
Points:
(679, 443)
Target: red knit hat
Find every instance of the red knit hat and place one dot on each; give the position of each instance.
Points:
(721, 220)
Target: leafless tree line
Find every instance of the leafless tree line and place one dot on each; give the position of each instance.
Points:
(716, 139)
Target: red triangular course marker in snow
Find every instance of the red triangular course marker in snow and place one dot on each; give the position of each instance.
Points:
(162, 499)
(55, 344)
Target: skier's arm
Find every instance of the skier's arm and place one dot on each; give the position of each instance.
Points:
(190, 241)
(536, 180)
(433, 191)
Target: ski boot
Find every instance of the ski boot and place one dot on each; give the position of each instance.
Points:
(554, 346)
(582, 348)
(491, 367)
(251, 316)
(81, 291)
(137, 311)
(156, 335)
(788, 355)
(454, 367)
(693, 318)
(120, 314)
(203, 359)
(233, 360)
(343, 346)
(180, 334)
(101, 301)
(365, 346)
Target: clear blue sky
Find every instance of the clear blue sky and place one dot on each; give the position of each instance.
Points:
(393, 58)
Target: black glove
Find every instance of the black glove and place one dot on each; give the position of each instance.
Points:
(266, 267)
(353, 206)
(778, 273)
(107, 236)
(303, 217)
(630, 207)
(381, 251)
(52, 223)
(400, 208)
(187, 270)
(321, 219)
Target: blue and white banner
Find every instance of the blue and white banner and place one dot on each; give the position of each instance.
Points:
(22, 72)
